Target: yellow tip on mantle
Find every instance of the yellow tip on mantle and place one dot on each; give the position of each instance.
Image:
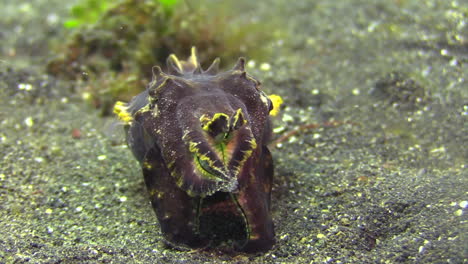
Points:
(277, 101)
(121, 110)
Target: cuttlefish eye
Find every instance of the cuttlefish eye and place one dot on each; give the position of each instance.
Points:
(220, 125)
(215, 126)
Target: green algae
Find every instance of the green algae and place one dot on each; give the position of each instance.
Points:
(130, 37)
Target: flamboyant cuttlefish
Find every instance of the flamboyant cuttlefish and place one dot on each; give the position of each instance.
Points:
(200, 137)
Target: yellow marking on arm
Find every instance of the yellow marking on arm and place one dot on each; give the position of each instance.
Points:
(204, 118)
(193, 148)
(246, 154)
(236, 118)
(171, 164)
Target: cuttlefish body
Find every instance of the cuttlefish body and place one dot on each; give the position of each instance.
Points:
(200, 137)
